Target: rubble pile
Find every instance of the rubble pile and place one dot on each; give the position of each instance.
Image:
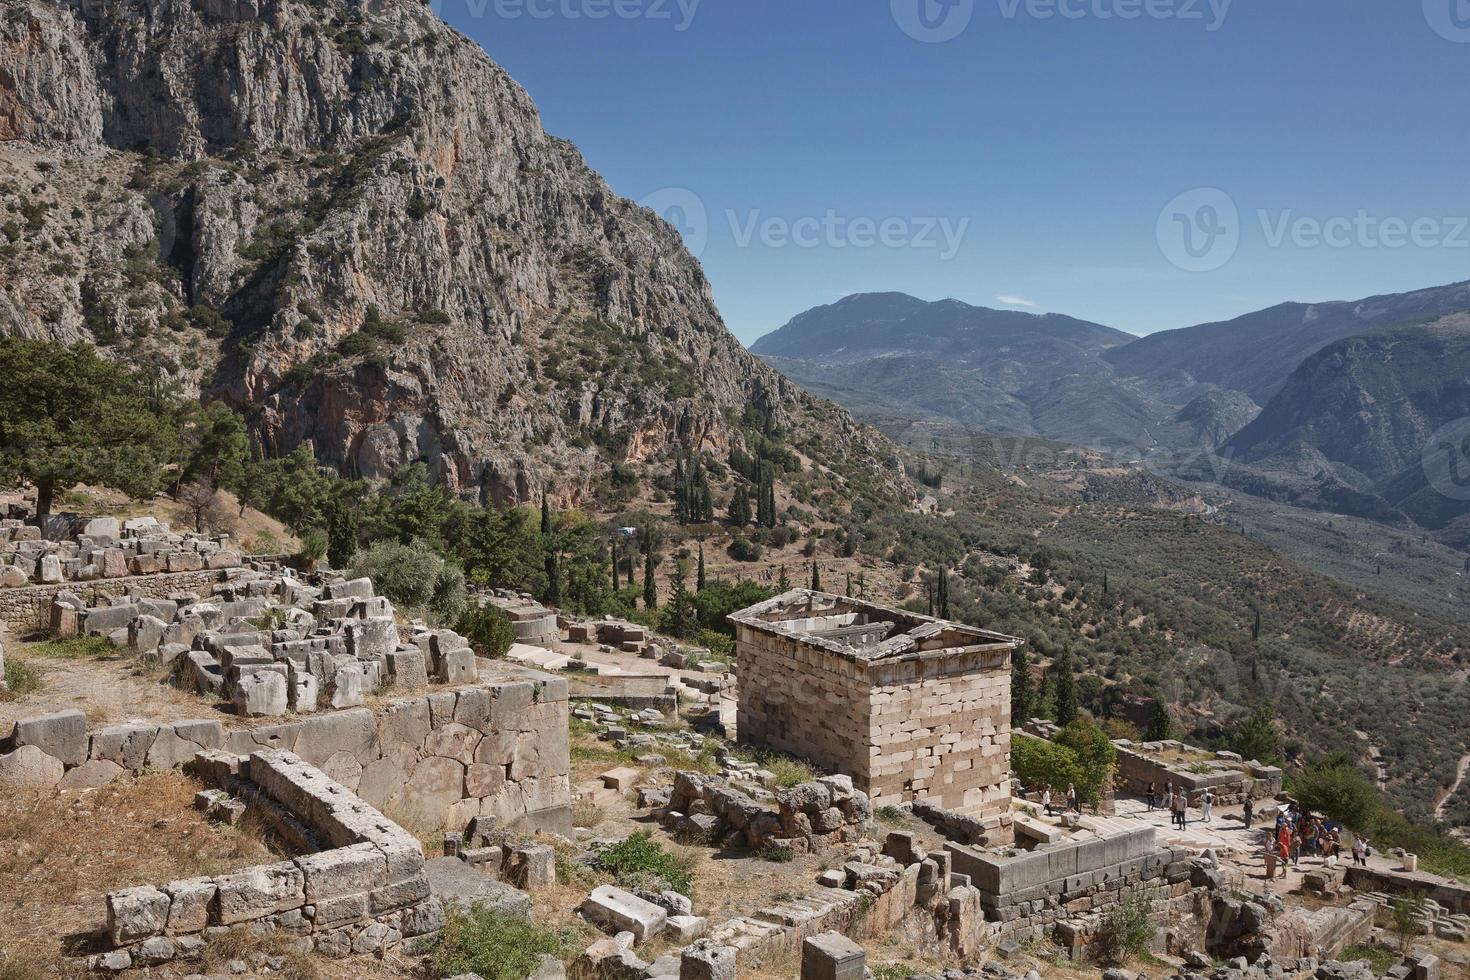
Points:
(273, 643)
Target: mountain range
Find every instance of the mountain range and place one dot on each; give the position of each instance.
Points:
(1326, 403)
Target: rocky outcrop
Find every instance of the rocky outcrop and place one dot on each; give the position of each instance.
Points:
(347, 221)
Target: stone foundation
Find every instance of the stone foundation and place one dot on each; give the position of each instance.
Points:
(363, 891)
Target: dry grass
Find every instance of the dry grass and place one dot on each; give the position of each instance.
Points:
(61, 855)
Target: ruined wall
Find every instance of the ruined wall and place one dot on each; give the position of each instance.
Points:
(498, 748)
(27, 609)
(1453, 897)
(940, 731)
(361, 889)
(930, 726)
(805, 701)
(1230, 782)
(1066, 889)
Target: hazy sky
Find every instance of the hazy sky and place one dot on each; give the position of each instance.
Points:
(1143, 163)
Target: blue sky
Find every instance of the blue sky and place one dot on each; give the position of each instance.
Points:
(1309, 149)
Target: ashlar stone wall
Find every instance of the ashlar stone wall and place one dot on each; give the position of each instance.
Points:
(932, 725)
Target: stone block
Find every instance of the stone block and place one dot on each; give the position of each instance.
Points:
(708, 960)
(62, 735)
(136, 913)
(343, 871)
(30, 769)
(685, 929)
(409, 670)
(372, 639)
(262, 694)
(457, 667)
(260, 891)
(190, 902)
(832, 956)
(616, 910)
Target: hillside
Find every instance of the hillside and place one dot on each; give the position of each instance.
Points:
(1005, 371)
(1255, 353)
(1362, 412)
(346, 221)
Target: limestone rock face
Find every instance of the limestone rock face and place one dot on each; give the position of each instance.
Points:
(346, 219)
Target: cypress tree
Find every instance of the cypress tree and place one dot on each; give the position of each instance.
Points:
(740, 507)
(1105, 583)
(1159, 721)
(615, 564)
(650, 587)
(943, 604)
(341, 536)
(1256, 629)
(849, 585)
(699, 582)
(1066, 689)
(784, 582)
(1021, 693)
(552, 559)
(816, 578)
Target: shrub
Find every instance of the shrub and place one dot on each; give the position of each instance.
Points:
(1338, 790)
(743, 549)
(314, 545)
(488, 629)
(1127, 931)
(495, 945)
(1407, 912)
(415, 577)
(639, 858)
(20, 679)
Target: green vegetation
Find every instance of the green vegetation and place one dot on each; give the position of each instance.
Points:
(68, 417)
(497, 946)
(1081, 755)
(488, 630)
(21, 678)
(1127, 931)
(73, 648)
(1382, 960)
(1407, 912)
(639, 860)
(415, 577)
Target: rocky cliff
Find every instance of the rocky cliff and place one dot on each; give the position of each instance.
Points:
(344, 219)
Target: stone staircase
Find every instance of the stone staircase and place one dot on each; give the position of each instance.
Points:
(787, 922)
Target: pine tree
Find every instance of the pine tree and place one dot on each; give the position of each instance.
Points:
(699, 582)
(1066, 689)
(650, 587)
(1022, 696)
(816, 578)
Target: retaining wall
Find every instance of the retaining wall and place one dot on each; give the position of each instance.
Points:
(365, 891)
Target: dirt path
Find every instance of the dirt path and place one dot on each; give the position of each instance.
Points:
(1461, 772)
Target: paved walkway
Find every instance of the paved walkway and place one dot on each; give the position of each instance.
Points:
(1240, 850)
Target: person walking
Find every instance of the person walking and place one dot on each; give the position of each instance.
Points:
(1250, 812)
(1072, 799)
(1181, 809)
(1153, 795)
(1046, 801)
(1206, 803)
(1296, 850)
(1360, 850)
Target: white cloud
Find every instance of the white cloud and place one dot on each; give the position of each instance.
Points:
(1015, 301)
